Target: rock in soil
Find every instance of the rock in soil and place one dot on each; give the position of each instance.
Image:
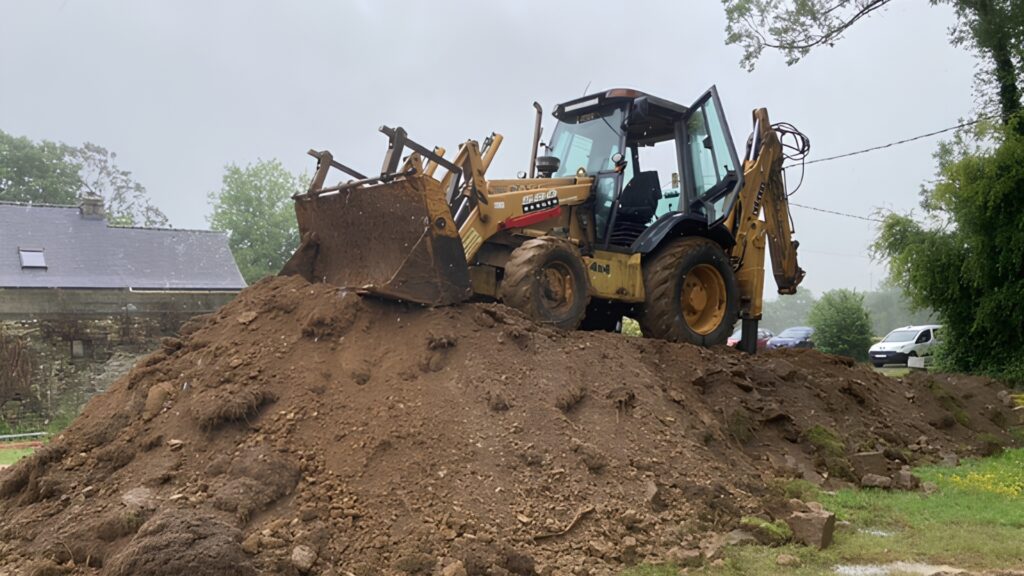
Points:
(876, 481)
(303, 558)
(685, 557)
(873, 462)
(906, 480)
(813, 528)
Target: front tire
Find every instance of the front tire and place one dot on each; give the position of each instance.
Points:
(545, 278)
(691, 293)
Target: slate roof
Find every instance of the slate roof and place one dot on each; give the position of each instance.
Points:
(86, 253)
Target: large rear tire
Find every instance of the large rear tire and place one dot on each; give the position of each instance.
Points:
(545, 278)
(691, 293)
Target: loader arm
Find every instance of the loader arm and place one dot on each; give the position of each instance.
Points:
(763, 190)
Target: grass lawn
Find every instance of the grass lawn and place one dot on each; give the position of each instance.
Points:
(974, 521)
(9, 456)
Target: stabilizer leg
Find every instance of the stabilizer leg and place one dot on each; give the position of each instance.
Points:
(748, 338)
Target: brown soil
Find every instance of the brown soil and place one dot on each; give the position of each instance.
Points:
(305, 425)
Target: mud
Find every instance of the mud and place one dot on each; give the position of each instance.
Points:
(304, 429)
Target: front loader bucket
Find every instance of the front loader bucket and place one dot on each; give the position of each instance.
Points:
(396, 240)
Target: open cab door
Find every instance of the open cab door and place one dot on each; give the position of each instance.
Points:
(711, 166)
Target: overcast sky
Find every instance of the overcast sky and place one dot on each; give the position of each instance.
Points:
(181, 88)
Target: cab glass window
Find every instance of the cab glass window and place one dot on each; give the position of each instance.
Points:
(588, 143)
(711, 157)
(705, 174)
(604, 192)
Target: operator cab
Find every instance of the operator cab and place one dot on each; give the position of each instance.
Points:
(635, 146)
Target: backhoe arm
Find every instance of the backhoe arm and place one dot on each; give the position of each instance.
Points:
(778, 222)
(764, 188)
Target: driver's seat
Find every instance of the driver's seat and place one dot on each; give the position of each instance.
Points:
(637, 206)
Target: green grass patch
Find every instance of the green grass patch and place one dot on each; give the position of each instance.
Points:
(893, 372)
(9, 456)
(53, 425)
(831, 451)
(798, 488)
(59, 422)
(775, 533)
(825, 440)
(975, 521)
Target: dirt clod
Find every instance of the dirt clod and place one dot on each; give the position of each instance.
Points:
(183, 542)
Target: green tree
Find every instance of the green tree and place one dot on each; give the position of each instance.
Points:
(42, 173)
(55, 173)
(992, 29)
(254, 207)
(967, 260)
(787, 311)
(841, 324)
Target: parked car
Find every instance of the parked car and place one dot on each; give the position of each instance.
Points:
(795, 337)
(904, 342)
(763, 336)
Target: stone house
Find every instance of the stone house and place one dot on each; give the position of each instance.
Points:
(80, 300)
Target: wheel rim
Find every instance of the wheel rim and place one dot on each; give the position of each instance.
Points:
(703, 299)
(556, 287)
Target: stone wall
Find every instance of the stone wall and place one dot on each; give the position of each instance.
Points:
(74, 343)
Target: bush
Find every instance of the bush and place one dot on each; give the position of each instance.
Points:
(841, 324)
(630, 327)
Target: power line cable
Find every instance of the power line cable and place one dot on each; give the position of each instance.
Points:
(816, 209)
(804, 162)
(861, 256)
(897, 143)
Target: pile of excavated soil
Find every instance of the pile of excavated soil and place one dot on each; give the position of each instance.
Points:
(304, 429)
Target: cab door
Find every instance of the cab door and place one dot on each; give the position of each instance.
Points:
(710, 164)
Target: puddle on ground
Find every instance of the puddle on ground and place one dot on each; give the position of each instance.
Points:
(901, 568)
(875, 532)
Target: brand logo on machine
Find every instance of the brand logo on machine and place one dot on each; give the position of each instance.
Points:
(520, 187)
(540, 201)
(601, 268)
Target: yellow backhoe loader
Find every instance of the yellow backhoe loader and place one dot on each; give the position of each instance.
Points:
(638, 207)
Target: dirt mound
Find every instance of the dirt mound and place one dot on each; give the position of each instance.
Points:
(303, 429)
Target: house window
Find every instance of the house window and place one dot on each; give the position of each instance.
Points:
(32, 258)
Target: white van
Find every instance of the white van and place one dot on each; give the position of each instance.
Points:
(904, 342)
